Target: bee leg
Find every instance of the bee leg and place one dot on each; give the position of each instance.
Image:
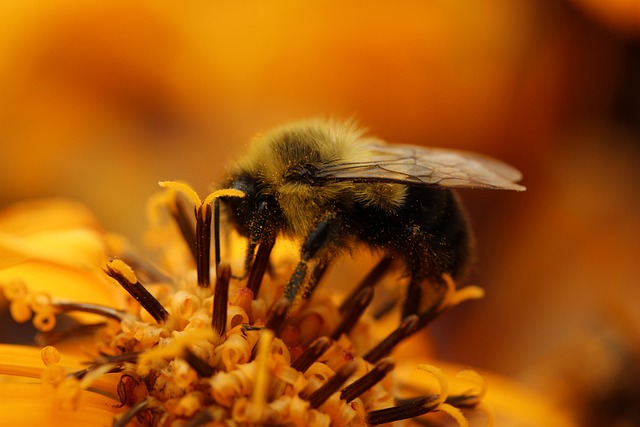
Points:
(417, 269)
(312, 244)
(260, 231)
(260, 263)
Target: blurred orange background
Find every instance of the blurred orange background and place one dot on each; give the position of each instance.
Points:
(100, 100)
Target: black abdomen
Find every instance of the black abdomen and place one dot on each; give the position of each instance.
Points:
(429, 233)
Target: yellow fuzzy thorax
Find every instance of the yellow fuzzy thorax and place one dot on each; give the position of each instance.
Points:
(273, 156)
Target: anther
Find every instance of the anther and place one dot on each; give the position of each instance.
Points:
(368, 380)
(277, 316)
(198, 364)
(182, 218)
(101, 310)
(319, 396)
(375, 275)
(221, 299)
(311, 354)
(409, 408)
(203, 244)
(132, 412)
(406, 328)
(125, 276)
(351, 317)
(260, 262)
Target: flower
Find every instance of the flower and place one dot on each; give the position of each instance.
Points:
(174, 347)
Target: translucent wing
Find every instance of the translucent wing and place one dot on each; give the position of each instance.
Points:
(429, 167)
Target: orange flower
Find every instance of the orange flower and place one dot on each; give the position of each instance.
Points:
(180, 349)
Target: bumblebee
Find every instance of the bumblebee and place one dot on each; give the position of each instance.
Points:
(332, 187)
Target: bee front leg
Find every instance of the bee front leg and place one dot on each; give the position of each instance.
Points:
(261, 234)
(312, 245)
(315, 241)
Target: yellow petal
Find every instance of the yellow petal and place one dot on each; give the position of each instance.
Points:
(54, 230)
(17, 361)
(26, 404)
(64, 283)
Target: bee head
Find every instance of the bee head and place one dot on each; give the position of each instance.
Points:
(253, 213)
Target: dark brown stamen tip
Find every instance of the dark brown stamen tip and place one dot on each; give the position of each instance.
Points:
(51, 337)
(406, 328)
(319, 396)
(132, 412)
(375, 275)
(368, 380)
(216, 231)
(101, 310)
(409, 408)
(430, 314)
(126, 390)
(199, 419)
(149, 272)
(311, 354)
(123, 274)
(277, 316)
(83, 372)
(119, 360)
(221, 299)
(260, 262)
(203, 244)
(351, 317)
(183, 219)
(413, 298)
(462, 400)
(198, 364)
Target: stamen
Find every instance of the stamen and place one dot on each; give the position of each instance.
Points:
(203, 244)
(311, 354)
(470, 398)
(50, 355)
(101, 310)
(126, 389)
(351, 317)
(216, 232)
(221, 299)
(406, 328)
(278, 314)
(108, 364)
(260, 262)
(48, 338)
(201, 418)
(319, 396)
(370, 280)
(112, 368)
(368, 380)
(199, 365)
(120, 358)
(182, 218)
(414, 296)
(409, 408)
(259, 395)
(132, 412)
(125, 276)
(454, 413)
